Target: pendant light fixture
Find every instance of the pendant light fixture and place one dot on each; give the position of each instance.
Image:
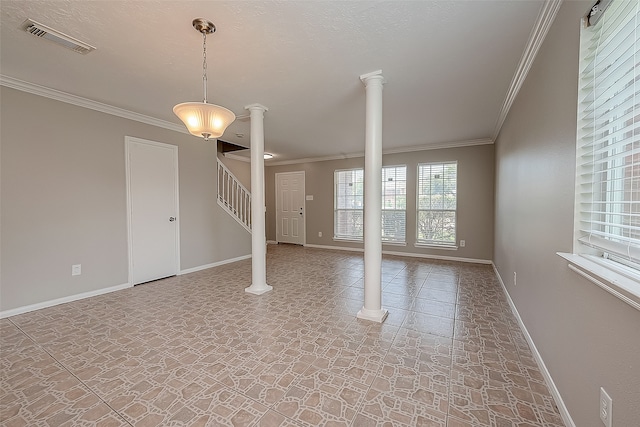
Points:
(201, 118)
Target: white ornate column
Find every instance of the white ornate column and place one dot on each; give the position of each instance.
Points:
(258, 236)
(372, 309)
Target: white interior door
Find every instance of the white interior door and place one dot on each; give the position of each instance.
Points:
(290, 214)
(152, 196)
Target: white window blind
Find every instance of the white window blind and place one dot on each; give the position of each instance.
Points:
(608, 147)
(349, 203)
(437, 200)
(394, 203)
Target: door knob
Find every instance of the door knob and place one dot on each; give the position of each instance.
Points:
(172, 218)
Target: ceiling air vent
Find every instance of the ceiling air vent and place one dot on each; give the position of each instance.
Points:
(42, 31)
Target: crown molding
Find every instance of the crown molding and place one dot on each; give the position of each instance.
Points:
(440, 145)
(410, 149)
(87, 103)
(543, 23)
(120, 112)
(316, 159)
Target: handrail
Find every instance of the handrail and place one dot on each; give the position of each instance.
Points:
(233, 197)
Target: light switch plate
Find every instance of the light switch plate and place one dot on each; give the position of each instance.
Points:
(76, 269)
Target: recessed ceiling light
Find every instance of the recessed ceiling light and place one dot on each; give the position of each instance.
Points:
(240, 135)
(268, 156)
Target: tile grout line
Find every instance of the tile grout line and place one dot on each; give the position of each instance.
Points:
(374, 378)
(63, 366)
(297, 337)
(535, 407)
(453, 335)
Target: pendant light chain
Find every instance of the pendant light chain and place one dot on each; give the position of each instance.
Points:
(204, 64)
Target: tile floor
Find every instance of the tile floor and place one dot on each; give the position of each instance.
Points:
(196, 350)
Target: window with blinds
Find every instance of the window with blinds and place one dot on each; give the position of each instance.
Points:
(349, 204)
(394, 203)
(608, 147)
(437, 200)
(348, 215)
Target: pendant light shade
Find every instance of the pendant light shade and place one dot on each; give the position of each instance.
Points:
(201, 118)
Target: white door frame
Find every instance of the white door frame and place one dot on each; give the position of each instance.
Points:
(127, 141)
(304, 204)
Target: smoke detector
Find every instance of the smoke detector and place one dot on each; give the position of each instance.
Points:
(42, 31)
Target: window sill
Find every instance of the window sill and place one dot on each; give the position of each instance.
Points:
(387, 243)
(610, 278)
(345, 239)
(444, 247)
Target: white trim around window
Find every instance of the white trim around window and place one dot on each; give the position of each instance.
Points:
(348, 217)
(394, 204)
(436, 219)
(348, 212)
(606, 247)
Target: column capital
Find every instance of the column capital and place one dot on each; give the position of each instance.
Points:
(252, 107)
(373, 76)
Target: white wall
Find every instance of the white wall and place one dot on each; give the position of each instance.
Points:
(64, 200)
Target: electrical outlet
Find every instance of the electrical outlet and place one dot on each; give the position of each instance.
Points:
(463, 243)
(76, 269)
(515, 279)
(319, 233)
(606, 404)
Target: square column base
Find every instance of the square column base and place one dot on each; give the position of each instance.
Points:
(258, 289)
(378, 316)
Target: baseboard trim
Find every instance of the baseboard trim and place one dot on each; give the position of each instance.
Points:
(51, 303)
(213, 264)
(407, 254)
(439, 257)
(333, 248)
(562, 408)
(76, 297)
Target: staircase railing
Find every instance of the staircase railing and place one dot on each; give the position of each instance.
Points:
(233, 197)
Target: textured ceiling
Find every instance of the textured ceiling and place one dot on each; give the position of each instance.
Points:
(448, 64)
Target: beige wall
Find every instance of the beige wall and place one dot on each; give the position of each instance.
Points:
(587, 338)
(64, 200)
(475, 199)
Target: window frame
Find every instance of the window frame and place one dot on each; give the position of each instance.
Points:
(353, 237)
(441, 244)
(346, 237)
(403, 239)
(600, 194)
(603, 144)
